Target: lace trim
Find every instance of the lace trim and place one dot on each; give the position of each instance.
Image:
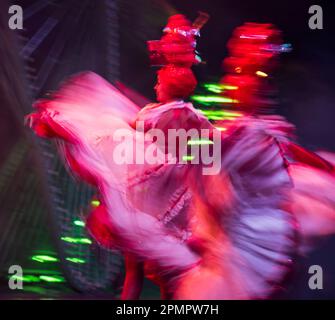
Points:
(178, 201)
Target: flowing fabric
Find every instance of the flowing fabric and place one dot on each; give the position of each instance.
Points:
(84, 114)
(232, 235)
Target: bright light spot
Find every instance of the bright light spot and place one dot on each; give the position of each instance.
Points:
(261, 74)
(79, 223)
(213, 99)
(52, 279)
(213, 87)
(188, 158)
(77, 240)
(26, 278)
(211, 117)
(229, 87)
(75, 260)
(44, 258)
(199, 142)
(95, 203)
(219, 87)
(221, 128)
(223, 113)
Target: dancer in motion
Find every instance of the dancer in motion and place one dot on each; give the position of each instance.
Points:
(87, 113)
(231, 234)
(253, 52)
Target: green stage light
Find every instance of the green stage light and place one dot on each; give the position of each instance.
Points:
(79, 223)
(52, 279)
(76, 260)
(26, 278)
(44, 258)
(213, 99)
(95, 203)
(77, 240)
(199, 142)
(188, 158)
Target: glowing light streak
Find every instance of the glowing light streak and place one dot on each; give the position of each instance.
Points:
(44, 258)
(188, 158)
(52, 279)
(219, 87)
(213, 99)
(75, 260)
(79, 223)
(26, 278)
(77, 240)
(261, 74)
(199, 142)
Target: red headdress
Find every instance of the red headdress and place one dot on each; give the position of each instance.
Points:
(252, 52)
(176, 54)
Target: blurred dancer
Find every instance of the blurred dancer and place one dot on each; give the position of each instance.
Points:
(272, 197)
(227, 235)
(144, 207)
(253, 53)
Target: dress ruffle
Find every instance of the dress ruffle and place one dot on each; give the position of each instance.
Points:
(245, 220)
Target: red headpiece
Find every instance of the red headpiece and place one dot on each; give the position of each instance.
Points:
(252, 51)
(177, 46)
(175, 52)
(252, 48)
